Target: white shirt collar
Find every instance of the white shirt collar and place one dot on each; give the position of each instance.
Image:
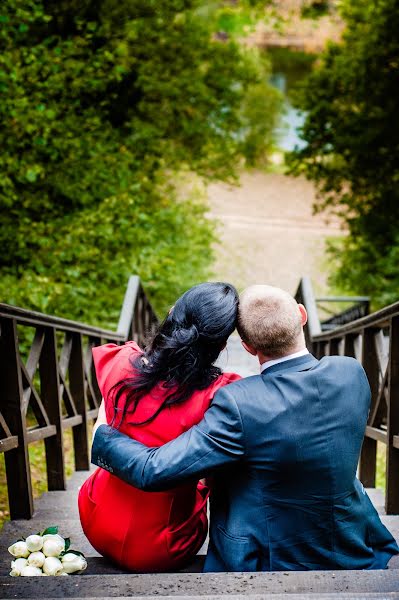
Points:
(275, 361)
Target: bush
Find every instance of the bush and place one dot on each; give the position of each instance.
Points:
(103, 104)
(352, 137)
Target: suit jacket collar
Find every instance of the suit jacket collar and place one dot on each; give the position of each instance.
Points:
(302, 363)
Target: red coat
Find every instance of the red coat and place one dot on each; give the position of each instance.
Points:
(145, 531)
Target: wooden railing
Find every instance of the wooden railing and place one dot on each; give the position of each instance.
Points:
(47, 377)
(359, 307)
(374, 341)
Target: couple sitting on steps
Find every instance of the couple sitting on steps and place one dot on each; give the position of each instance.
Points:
(278, 450)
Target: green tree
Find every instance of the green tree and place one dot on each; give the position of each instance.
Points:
(103, 104)
(352, 151)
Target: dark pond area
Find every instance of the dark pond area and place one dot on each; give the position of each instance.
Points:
(289, 68)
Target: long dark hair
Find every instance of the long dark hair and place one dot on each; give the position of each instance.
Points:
(181, 354)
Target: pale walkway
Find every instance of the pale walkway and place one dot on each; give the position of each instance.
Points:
(268, 232)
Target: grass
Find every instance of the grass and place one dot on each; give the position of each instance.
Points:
(381, 466)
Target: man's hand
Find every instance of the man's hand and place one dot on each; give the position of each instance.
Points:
(101, 418)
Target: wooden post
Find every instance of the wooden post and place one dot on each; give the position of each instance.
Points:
(77, 387)
(368, 457)
(392, 465)
(50, 394)
(93, 342)
(349, 345)
(16, 460)
(334, 347)
(321, 349)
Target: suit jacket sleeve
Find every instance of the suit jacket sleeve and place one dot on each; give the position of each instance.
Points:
(217, 440)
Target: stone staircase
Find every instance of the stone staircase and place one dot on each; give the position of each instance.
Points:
(103, 580)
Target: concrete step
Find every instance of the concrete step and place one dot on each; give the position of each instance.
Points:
(63, 495)
(203, 585)
(62, 512)
(78, 477)
(316, 596)
(57, 499)
(377, 497)
(391, 522)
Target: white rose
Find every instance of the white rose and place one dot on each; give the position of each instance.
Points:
(36, 559)
(72, 562)
(52, 566)
(30, 571)
(34, 543)
(19, 550)
(17, 566)
(53, 544)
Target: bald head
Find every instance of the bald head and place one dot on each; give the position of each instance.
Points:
(270, 321)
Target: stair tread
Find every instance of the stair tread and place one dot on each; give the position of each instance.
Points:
(277, 596)
(205, 584)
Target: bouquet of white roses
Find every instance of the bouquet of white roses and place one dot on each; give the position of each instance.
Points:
(45, 553)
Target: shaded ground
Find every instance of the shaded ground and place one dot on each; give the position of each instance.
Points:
(268, 233)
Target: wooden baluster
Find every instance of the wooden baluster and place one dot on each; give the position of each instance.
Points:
(321, 349)
(50, 394)
(392, 469)
(368, 457)
(358, 346)
(139, 309)
(16, 460)
(77, 387)
(140, 313)
(146, 317)
(93, 341)
(349, 345)
(135, 323)
(334, 347)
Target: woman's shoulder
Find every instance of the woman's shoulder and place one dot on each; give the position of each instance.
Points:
(209, 392)
(221, 381)
(226, 378)
(113, 363)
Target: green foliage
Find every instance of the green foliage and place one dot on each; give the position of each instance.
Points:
(259, 140)
(352, 257)
(352, 135)
(102, 105)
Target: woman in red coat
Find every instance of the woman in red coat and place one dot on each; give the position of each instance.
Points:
(153, 396)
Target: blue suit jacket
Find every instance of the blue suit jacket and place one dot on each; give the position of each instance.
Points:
(283, 448)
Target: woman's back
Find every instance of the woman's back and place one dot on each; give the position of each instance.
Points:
(145, 531)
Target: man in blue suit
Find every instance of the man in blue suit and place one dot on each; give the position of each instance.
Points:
(283, 449)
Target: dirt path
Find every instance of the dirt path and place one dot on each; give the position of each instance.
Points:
(268, 233)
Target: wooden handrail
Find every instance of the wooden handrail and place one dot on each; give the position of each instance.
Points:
(60, 358)
(128, 306)
(374, 341)
(33, 318)
(305, 296)
(379, 318)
